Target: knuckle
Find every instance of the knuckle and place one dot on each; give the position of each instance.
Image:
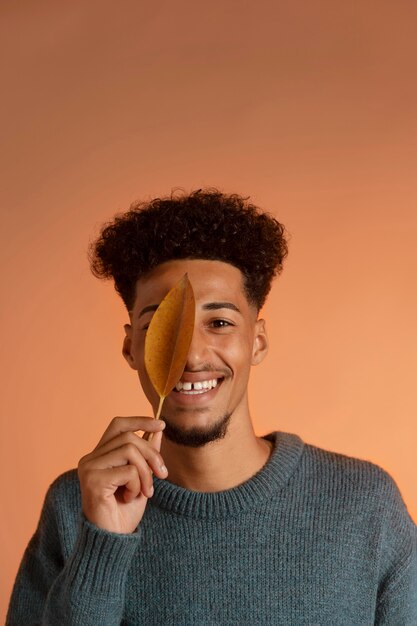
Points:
(129, 437)
(132, 471)
(130, 448)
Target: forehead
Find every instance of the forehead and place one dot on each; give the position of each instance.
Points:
(211, 281)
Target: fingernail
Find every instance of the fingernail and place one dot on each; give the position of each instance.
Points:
(163, 469)
(151, 490)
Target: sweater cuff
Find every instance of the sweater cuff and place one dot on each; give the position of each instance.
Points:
(101, 559)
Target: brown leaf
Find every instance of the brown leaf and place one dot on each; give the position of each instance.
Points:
(168, 338)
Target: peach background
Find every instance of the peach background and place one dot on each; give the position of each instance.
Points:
(309, 108)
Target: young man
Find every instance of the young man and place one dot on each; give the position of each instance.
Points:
(238, 529)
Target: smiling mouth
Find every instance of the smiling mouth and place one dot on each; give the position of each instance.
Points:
(198, 387)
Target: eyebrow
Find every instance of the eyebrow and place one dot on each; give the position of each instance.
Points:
(213, 306)
(151, 307)
(210, 306)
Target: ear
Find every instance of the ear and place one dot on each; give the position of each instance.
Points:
(260, 342)
(127, 346)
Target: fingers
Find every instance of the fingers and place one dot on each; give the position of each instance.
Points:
(107, 481)
(120, 425)
(149, 452)
(140, 475)
(127, 457)
(122, 459)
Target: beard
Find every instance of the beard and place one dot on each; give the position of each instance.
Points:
(196, 437)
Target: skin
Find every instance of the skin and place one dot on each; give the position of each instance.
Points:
(208, 445)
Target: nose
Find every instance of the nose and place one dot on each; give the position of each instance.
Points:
(199, 350)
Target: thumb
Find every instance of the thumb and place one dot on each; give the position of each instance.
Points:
(156, 440)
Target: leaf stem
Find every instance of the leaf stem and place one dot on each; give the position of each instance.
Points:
(149, 436)
(161, 401)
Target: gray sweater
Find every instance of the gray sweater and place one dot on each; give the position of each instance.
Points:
(314, 537)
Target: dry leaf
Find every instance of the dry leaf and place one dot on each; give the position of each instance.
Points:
(168, 339)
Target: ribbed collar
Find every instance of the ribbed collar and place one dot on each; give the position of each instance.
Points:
(272, 477)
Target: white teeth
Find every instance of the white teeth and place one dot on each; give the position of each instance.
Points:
(198, 387)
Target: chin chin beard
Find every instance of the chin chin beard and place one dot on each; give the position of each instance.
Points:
(196, 437)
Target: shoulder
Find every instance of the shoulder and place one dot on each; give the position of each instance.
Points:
(363, 473)
(64, 486)
(361, 480)
(63, 498)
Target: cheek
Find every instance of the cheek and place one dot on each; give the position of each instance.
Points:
(145, 382)
(236, 351)
(147, 387)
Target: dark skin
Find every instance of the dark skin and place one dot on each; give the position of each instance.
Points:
(205, 437)
(209, 443)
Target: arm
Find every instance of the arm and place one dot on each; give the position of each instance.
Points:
(75, 567)
(397, 590)
(87, 589)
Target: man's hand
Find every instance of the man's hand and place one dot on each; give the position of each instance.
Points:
(116, 477)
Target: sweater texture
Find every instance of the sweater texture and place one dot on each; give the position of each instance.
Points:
(313, 538)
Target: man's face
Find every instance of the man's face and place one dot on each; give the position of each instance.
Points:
(227, 340)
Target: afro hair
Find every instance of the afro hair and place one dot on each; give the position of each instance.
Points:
(204, 224)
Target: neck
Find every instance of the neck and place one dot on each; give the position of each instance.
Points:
(219, 465)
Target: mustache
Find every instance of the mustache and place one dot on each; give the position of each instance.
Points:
(208, 367)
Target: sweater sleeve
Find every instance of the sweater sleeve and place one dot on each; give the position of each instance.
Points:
(397, 589)
(86, 589)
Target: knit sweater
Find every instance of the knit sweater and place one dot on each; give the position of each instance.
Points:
(313, 538)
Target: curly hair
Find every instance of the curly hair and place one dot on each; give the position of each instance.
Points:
(204, 224)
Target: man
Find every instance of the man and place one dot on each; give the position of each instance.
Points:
(238, 529)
